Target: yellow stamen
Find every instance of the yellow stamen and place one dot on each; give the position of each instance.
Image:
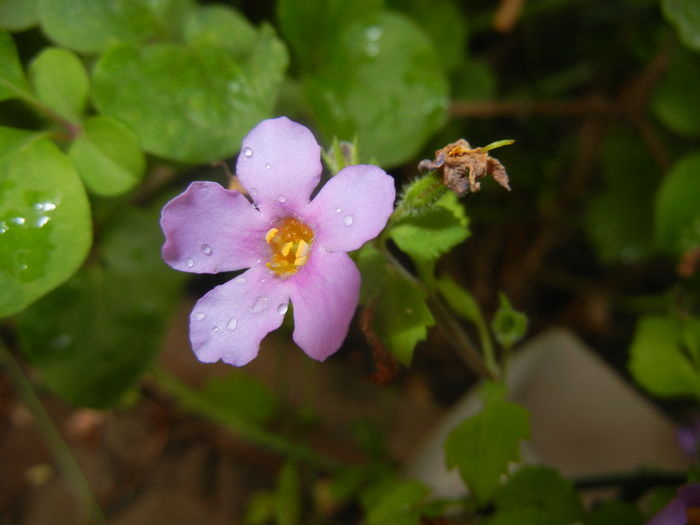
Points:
(290, 246)
(271, 234)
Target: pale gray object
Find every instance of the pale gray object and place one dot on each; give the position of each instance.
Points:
(585, 419)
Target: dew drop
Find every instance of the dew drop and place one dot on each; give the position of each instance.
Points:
(206, 249)
(247, 152)
(263, 281)
(338, 210)
(374, 33)
(18, 220)
(259, 305)
(232, 324)
(348, 220)
(282, 309)
(199, 316)
(41, 221)
(282, 198)
(408, 311)
(23, 267)
(215, 329)
(268, 166)
(240, 279)
(3, 227)
(189, 263)
(258, 261)
(44, 206)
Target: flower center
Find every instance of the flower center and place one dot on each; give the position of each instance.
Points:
(693, 514)
(290, 244)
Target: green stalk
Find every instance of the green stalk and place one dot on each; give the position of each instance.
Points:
(252, 433)
(62, 454)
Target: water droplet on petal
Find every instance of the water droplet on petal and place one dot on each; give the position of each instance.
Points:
(348, 220)
(282, 309)
(215, 329)
(206, 249)
(240, 279)
(199, 316)
(338, 210)
(258, 261)
(189, 263)
(247, 152)
(263, 280)
(282, 198)
(259, 305)
(232, 324)
(268, 166)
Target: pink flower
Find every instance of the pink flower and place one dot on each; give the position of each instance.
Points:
(293, 248)
(684, 509)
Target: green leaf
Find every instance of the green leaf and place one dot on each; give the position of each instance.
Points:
(483, 445)
(108, 156)
(394, 502)
(526, 516)
(192, 104)
(219, 26)
(12, 80)
(614, 513)
(435, 232)
(674, 99)
(508, 325)
(355, 91)
(45, 227)
(311, 25)
(459, 299)
(443, 21)
(18, 15)
(474, 80)
(544, 489)
(685, 16)
(619, 219)
(658, 360)
(244, 396)
(91, 26)
(677, 204)
(61, 82)
(288, 496)
(400, 315)
(92, 338)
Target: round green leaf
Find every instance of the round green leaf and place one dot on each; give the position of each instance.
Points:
(685, 16)
(190, 104)
(677, 204)
(221, 26)
(61, 82)
(108, 156)
(658, 360)
(675, 99)
(92, 338)
(45, 228)
(17, 15)
(90, 26)
(382, 83)
(12, 80)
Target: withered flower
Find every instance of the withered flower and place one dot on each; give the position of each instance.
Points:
(462, 166)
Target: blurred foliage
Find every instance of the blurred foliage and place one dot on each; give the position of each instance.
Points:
(107, 107)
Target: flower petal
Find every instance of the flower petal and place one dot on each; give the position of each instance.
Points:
(229, 322)
(279, 164)
(209, 229)
(351, 208)
(324, 294)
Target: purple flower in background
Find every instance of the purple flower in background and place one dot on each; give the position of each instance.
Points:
(684, 509)
(688, 436)
(293, 249)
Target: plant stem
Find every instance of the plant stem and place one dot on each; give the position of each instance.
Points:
(196, 402)
(60, 450)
